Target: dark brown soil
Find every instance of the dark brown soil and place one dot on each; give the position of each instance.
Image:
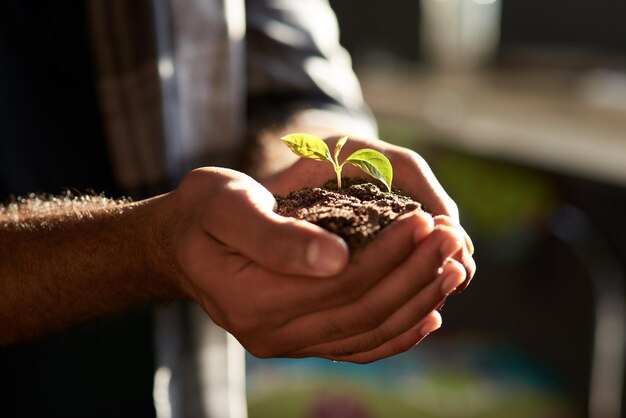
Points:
(357, 213)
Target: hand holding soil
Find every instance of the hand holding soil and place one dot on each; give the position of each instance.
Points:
(257, 274)
(411, 175)
(357, 212)
(288, 288)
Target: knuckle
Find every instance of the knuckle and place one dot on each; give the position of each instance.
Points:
(445, 232)
(201, 181)
(458, 268)
(198, 175)
(444, 220)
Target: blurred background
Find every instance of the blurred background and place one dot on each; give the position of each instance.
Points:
(520, 108)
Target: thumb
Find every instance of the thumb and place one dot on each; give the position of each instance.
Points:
(245, 221)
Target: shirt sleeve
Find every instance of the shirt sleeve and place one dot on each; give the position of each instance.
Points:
(295, 61)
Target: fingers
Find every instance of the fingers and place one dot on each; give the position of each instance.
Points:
(465, 255)
(287, 304)
(375, 305)
(407, 281)
(292, 297)
(241, 216)
(383, 341)
(400, 321)
(399, 344)
(271, 301)
(420, 183)
(385, 253)
(358, 319)
(417, 180)
(446, 220)
(199, 256)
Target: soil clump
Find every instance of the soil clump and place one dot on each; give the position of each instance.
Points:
(357, 212)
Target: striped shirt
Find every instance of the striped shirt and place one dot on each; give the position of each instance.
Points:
(181, 83)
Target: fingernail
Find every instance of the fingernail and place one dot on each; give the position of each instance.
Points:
(431, 326)
(327, 257)
(450, 281)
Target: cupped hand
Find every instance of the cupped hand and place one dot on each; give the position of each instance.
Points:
(412, 175)
(286, 288)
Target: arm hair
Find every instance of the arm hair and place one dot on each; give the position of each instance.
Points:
(65, 259)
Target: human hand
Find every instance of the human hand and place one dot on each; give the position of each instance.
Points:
(254, 273)
(411, 174)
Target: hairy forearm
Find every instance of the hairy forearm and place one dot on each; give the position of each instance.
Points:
(65, 260)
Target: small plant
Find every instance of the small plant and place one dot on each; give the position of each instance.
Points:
(371, 161)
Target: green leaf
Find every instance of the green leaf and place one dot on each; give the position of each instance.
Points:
(340, 143)
(373, 163)
(308, 146)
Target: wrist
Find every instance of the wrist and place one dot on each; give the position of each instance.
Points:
(158, 219)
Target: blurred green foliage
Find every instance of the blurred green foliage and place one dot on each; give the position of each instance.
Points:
(494, 197)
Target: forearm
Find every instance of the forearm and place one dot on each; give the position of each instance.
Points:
(64, 262)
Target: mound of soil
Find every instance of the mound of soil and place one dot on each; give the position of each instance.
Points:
(357, 212)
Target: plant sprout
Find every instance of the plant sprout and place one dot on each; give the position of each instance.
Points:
(371, 161)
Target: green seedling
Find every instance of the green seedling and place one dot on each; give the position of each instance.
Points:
(371, 161)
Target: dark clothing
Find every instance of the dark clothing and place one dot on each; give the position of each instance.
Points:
(50, 139)
(50, 128)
